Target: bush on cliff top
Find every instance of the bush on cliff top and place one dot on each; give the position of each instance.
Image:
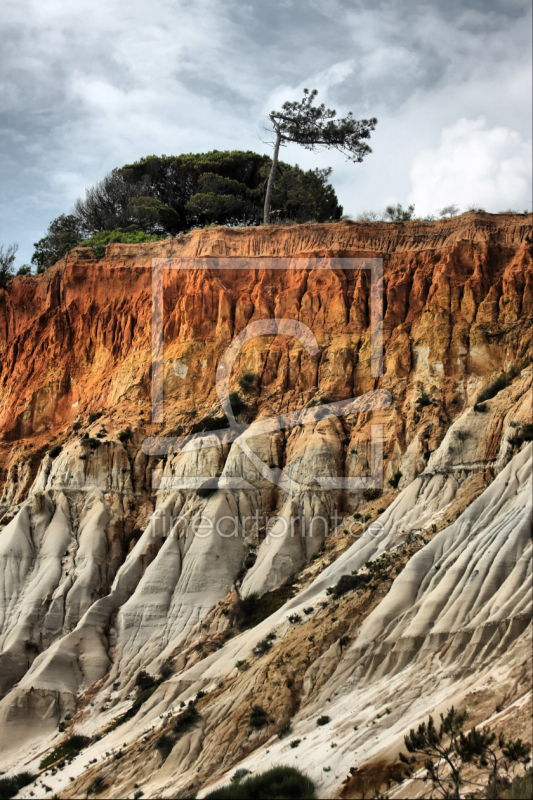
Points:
(99, 241)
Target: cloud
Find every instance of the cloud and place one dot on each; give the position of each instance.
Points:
(473, 165)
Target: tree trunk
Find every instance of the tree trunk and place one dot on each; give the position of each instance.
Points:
(271, 178)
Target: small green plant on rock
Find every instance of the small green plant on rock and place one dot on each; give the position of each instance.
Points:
(258, 717)
(247, 381)
(239, 774)
(144, 681)
(323, 720)
(186, 719)
(55, 450)
(125, 435)
(395, 480)
(9, 787)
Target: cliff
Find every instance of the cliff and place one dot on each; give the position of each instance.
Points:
(94, 590)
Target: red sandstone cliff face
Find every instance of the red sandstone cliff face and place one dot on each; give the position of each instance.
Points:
(458, 296)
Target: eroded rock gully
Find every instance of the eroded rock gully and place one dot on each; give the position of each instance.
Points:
(94, 588)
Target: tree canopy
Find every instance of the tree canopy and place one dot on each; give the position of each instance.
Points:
(164, 195)
(7, 259)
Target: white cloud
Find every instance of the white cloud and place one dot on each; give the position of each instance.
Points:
(473, 164)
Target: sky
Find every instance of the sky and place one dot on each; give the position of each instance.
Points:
(89, 86)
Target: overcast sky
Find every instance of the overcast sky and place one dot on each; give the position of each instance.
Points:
(88, 86)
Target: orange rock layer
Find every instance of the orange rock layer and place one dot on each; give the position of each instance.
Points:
(458, 300)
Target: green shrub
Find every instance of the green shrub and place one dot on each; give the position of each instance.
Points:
(96, 785)
(492, 389)
(323, 720)
(55, 450)
(70, 747)
(164, 744)
(262, 647)
(124, 435)
(165, 670)
(186, 719)
(143, 680)
(278, 782)
(526, 432)
(247, 381)
(76, 425)
(93, 416)
(371, 494)
(100, 240)
(239, 774)
(395, 480)
(258, 717)
(295, 743)
(9, 787)
(285, 728)
(253, 609)
(348, 583)
(237, 403)
(379, 565)
(424, 400)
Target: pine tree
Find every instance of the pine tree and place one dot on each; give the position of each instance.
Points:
(315, 128)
